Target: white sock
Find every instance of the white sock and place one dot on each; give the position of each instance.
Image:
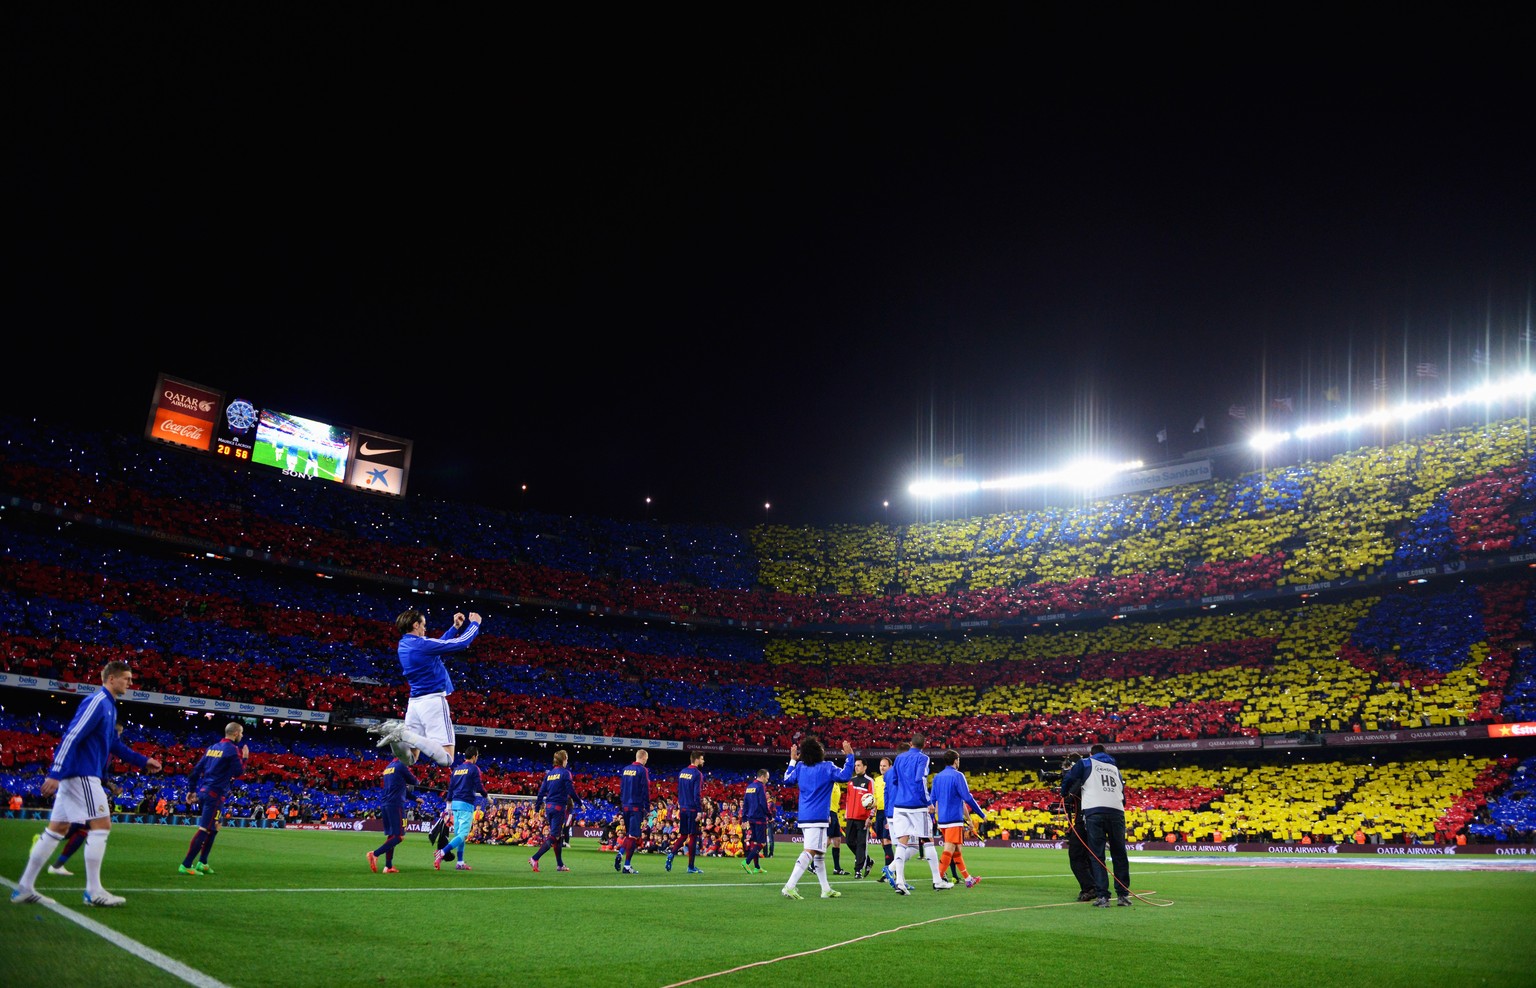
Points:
(42, 852)
(821, 873)
(933, 862)
(801, 863)
(899, 866)
(431, 749)
(95, 850)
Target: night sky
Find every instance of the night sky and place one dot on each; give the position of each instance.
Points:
(725, 257)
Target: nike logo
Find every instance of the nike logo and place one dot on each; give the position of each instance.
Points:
(366, 450)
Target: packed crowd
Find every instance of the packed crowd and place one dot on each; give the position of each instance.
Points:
(1412, 657)
(1446, 496)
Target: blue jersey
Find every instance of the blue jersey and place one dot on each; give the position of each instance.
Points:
(754, 802)
(557, 791)
(219, 766)
(690, 785)
(421, 659)
(465, 784)
(815, 782)
(951, 795)
(91, 739)
(906, 785)
(635, 788)
(395, 779)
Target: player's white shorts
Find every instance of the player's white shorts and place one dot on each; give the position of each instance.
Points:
(428, 716)
(815, 836)
(911, 823)
(80, 800)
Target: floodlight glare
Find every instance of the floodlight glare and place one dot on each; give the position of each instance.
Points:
(1519, 386)
(942, 488)
(1085, 474)
(1266, 441)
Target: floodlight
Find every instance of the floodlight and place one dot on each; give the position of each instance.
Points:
(1266, 441)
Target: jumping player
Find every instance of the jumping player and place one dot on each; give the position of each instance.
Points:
(428, 724)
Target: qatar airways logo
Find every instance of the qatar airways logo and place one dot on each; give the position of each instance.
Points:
(188, 402)
(185, 430)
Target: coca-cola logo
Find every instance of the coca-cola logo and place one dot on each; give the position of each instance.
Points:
(184, 429)
(190, 402)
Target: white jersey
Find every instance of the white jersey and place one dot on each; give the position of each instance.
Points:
(1102, 788)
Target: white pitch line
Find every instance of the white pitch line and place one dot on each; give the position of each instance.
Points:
(149, 955)
(867, 936)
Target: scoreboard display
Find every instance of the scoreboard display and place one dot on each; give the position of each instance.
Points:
(302, 447)
(242, 432)
(235, 434)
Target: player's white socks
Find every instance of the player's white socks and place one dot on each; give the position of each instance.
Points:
(42, 852)
(931, 854)
(801, 863)
(95, 850)
(899, 865)
(431, 749)
(821, 873)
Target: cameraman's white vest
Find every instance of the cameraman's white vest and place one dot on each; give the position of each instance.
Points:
(1102, 788)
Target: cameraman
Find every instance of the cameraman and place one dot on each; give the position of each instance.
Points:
(1103, 814)
(1077, 844)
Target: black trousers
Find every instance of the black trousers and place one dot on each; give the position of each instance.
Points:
(856, 839)
(1078, 857)
(1107, 828)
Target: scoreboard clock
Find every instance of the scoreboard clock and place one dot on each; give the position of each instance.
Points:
(235, 435)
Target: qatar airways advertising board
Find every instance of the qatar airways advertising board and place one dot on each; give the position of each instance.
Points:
(183, 413)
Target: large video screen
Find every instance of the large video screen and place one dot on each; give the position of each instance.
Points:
(302, 447)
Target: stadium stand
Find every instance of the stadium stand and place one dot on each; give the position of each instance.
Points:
(206, 580)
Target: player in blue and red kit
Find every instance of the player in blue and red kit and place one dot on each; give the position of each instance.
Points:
(635, 803)
(395, 780)
(557, 797)
(209, 783)
(690, 802)
(754, 816)
(815, 776)
(464, 788)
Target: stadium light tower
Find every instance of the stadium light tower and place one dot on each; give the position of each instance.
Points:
(1521, 385)
(1084, 474)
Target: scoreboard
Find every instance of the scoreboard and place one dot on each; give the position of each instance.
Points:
(243, 432)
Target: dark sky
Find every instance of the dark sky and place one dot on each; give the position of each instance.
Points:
(723, 257)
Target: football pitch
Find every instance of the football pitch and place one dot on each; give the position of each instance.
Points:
(296, 908)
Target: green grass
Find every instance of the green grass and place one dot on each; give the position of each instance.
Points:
(296, 908)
